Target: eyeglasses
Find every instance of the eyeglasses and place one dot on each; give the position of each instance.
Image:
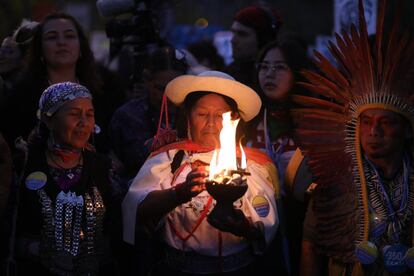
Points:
(265, 67)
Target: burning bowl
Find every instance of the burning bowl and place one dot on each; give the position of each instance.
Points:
(225, 193)
(227, 179)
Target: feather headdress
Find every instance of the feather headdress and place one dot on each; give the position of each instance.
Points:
(370, 74)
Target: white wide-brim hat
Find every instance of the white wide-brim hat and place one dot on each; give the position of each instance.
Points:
(248, 102)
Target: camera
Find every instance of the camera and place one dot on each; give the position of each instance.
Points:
(136, 34)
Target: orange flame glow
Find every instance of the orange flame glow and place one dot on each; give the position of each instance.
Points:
(224, 159)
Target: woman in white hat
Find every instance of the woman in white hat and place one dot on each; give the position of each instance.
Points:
(169, 194)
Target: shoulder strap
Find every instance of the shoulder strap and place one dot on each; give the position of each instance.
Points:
(291, 170)
(178, 158)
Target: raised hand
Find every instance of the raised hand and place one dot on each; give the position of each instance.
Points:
(192, 186)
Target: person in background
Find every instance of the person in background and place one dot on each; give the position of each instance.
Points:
(13, 52)
(206, 54)
(13, 57)
(59, 52)
(10, 64)
(67, 214)
(278, 71)
(23, 35)
(252, 28)
(359, 140)
(169, 195)
(136, 121)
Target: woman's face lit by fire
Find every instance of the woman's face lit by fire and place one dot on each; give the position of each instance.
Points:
(205, 120)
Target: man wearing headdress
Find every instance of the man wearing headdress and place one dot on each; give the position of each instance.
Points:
(359, 145)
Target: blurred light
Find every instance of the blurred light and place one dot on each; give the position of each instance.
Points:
(201, 23)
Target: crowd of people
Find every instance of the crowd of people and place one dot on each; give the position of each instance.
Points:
(101, 178)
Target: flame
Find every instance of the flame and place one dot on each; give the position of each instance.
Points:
(243, 164)
(224, 160)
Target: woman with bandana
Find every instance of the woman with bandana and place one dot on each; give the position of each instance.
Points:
(60, 52)
(64, 205)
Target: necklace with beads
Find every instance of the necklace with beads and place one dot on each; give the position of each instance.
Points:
(65, 177)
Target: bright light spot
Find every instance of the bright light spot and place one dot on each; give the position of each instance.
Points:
(224, 159)
(201, 22)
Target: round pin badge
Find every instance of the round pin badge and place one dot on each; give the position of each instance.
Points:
(36, 180)
(394, 258)
(261, 205)
(366, 252)
(409, 258)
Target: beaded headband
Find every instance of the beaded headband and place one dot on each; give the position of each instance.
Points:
(58, 94)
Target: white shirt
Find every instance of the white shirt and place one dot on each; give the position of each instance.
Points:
(258, 204)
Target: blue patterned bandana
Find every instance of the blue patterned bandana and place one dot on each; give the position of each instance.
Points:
(58, 94)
